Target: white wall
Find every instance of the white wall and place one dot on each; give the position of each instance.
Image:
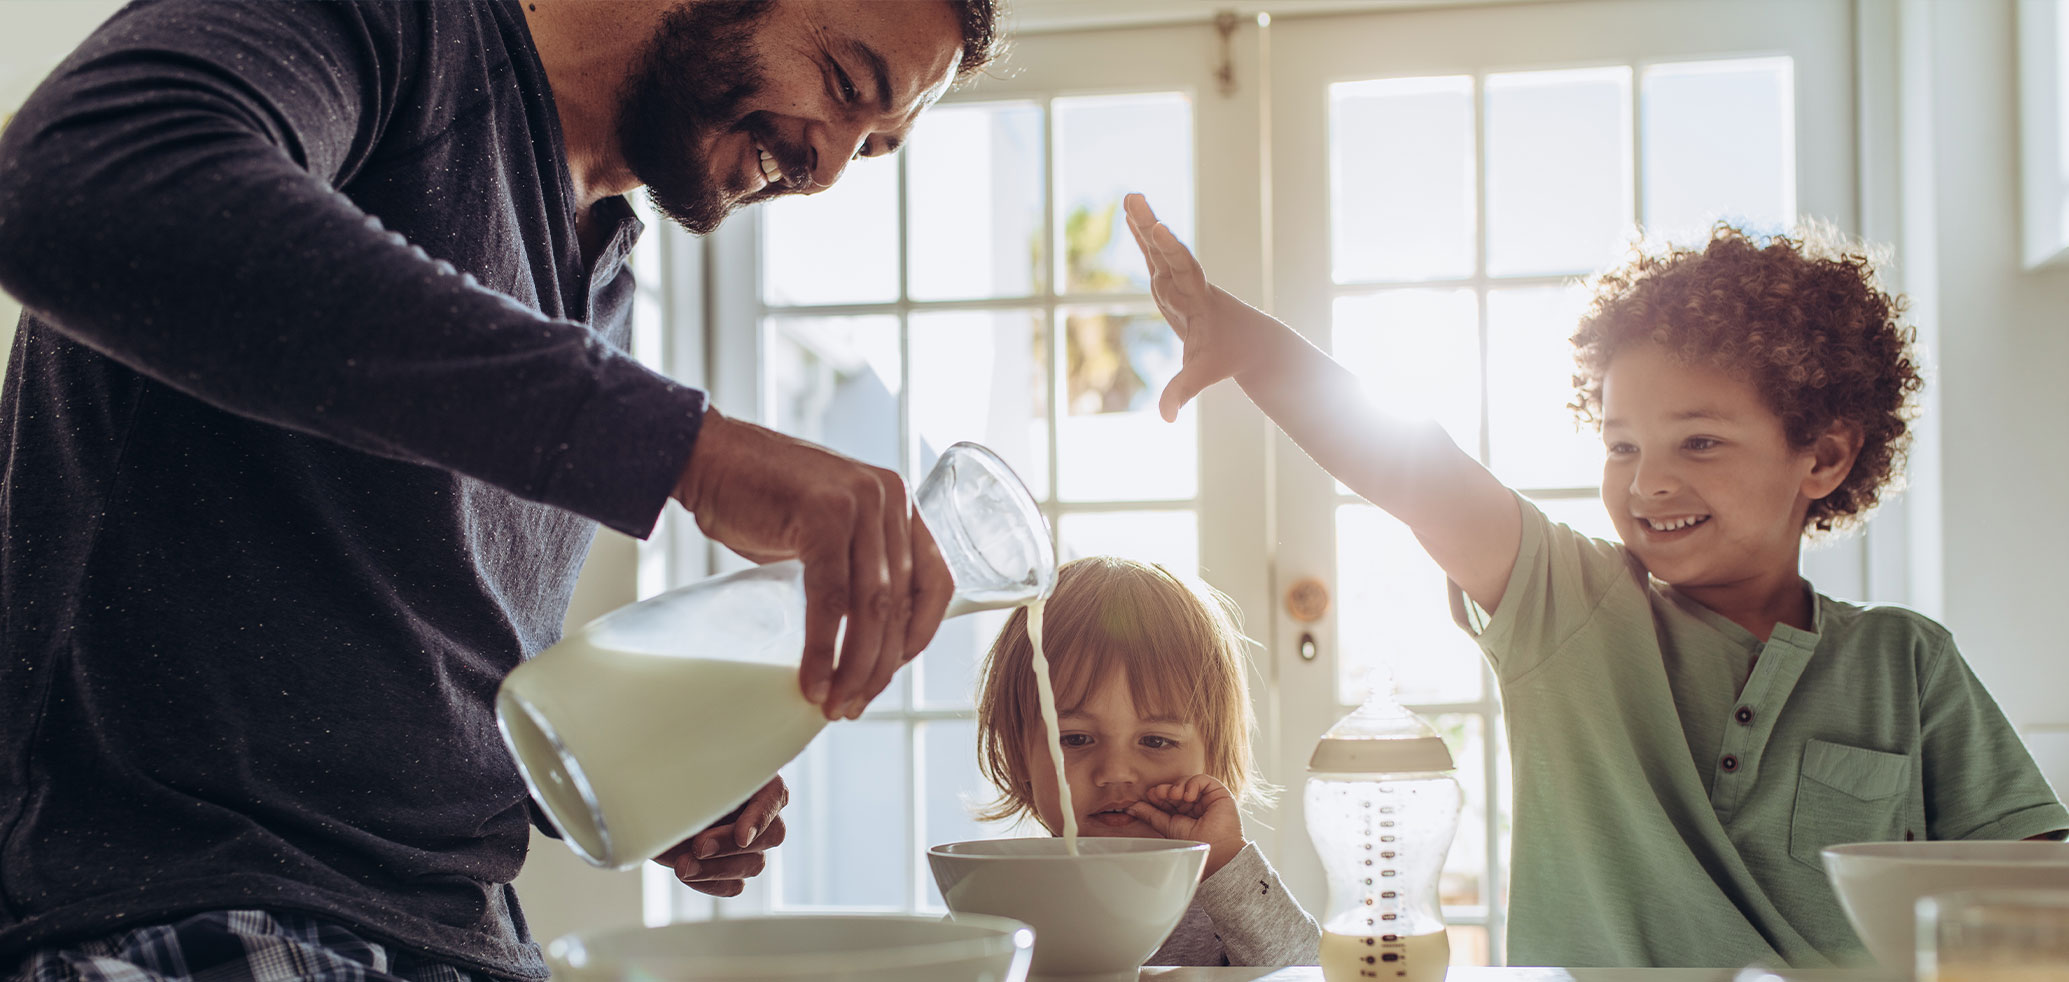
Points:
(2003, 338)
(34, 36)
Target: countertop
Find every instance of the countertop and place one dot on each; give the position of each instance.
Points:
(1309, 973)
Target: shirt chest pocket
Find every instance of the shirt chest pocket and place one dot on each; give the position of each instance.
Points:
(1846, 794)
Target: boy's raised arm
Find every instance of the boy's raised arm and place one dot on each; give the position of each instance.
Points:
(1463, 516)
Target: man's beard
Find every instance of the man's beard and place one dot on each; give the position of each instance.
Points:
(697, 72)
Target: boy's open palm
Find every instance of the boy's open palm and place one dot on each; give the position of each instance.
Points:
(1204, 316)
(1199, 808)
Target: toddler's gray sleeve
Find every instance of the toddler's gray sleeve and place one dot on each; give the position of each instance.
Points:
(1257, 921)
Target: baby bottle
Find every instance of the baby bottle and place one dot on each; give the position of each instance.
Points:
(651, 722)
(1381, 809)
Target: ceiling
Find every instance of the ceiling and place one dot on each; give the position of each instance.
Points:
(1046, 16)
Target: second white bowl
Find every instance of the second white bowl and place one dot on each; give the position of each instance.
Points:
(1879, 883)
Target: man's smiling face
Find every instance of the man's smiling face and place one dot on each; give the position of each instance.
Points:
(737, 102)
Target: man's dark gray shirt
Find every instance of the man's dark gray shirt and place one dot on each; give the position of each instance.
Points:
(308, 426)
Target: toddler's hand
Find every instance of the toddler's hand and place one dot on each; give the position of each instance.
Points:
(1199, 808)
(1206, 318)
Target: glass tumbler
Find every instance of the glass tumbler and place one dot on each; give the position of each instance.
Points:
(1994, 936)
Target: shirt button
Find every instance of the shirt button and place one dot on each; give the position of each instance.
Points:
(1730, 763)
(1744, 714)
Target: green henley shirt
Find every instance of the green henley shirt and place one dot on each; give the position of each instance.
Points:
(1675, 777)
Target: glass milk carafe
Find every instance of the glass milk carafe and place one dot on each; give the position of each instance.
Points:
(656, 719)
(1382, 807)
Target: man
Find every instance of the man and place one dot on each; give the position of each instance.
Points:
(319, 394)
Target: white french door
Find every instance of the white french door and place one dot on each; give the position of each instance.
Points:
(1417, 191)
(979, 285)
(1441, 180)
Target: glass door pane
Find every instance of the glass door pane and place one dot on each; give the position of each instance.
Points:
(839, 246)
(1558, 170)
(1720, 142)
(976, 224)
(829, 858)
(1395, 626)
(1417, 352)
(1533, 441)
(1106, 147)
(982, 376)
(835, 381)
(1112, 443)
(1168, 537)
(1402, 216)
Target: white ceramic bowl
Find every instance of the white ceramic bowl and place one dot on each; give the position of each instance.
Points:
(1097, 916)
(835, 948)
(1879, 883)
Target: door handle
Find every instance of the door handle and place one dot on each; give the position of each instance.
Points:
(1307, 600)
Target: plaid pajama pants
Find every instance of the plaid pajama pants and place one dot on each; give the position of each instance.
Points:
(232, 946)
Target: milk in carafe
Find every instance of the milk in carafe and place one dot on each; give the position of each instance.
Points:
(654, 720)
(755, 718)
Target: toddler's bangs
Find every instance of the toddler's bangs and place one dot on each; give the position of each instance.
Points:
(1165, 669)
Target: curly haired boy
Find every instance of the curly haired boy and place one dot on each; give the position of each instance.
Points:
(1691, 722)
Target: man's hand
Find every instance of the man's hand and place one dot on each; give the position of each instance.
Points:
(1199, 808)
(719, 859)
(867, 557)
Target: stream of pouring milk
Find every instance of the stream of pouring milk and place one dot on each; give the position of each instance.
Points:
(1053, 731)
